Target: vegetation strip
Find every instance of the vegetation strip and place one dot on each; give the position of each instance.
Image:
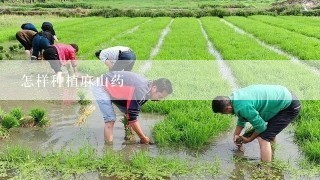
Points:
(223, 67)
(302, 28)
(65, 164)
(271, 48)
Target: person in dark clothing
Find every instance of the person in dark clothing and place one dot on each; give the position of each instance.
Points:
(268, 108)
(47, 26)
(60, 55)
(25, 37)
(41, 41)
(29, 26)
(128, 91)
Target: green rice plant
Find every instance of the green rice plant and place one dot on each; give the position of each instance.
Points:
(39, 116)
(233, 45)
(1, 48)
(82, 98)
(10, 121)
(3, 133)
(2, 114)
(299, 27)
(1, 56)
(11, 48)
(180, 43)
(17, 113)
(8, 56)
(20, 46)
(15, 47)
(17, 154)
(311, 149)
(304, 47)
(128, 130)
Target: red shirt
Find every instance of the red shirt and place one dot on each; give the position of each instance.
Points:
(66, 53)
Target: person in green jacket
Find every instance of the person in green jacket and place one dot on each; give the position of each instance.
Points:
(268, 108)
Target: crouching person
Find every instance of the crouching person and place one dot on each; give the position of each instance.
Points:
(268, 108)
(128, 91)
(59, 55)
(25, 37)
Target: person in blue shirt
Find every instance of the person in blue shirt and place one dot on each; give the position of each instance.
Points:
(29, 26)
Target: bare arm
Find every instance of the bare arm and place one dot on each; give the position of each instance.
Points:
(136, 127)
(109, 64)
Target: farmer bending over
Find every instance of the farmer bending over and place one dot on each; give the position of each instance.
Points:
(268, 108)
(118, 58)
(59, 55)
(128, 91)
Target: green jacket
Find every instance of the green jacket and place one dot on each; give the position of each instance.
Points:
(257, 104)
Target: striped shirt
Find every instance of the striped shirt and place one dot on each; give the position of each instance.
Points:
(112, 53)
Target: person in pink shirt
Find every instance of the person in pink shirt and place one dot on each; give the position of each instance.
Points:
(59, 55)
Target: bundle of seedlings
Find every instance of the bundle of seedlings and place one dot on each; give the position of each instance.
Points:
(129, 135)
(85, 111)
(246, 134)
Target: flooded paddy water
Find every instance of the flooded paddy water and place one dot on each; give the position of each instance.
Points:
(63, 133)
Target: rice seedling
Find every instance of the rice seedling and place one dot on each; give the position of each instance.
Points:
(127, 129)
(180, 43)
(238, 46)
(17, 113)
(1, 56)
(304, 47)
(39, 116)
(299, 27)
(10, 121)
(2, 114)
(82, 98)
(67, 164)
(85, 111)
(3, 133)
(1, 48)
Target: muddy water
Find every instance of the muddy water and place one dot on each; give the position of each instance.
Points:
(63, 133)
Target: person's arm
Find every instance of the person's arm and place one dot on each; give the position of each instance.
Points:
(251, 138)
(255, 120)
(136, 127)
(109, 64)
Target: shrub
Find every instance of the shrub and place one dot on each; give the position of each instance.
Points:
(10, 121)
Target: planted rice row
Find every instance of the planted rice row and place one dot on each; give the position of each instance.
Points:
(233, 45)
(304, 47)
(299, 27)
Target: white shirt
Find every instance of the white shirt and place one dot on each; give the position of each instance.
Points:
(112, 53)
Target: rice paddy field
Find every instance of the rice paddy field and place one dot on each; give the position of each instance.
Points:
(203, 57)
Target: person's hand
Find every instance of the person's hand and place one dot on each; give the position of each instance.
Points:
(236, 140)
(144, 140)
(245, 140)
